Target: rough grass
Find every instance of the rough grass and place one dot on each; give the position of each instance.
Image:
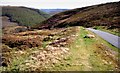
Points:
(85, 54)
(17, 55)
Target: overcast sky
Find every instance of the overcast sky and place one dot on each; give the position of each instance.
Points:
(52, 4)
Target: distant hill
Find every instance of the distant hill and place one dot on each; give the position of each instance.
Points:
(24, 16)
(53, 11)
(98, 15)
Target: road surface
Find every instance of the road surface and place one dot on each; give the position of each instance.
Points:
(113, 39)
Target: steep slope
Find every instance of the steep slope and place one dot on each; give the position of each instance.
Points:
(23, 15)
(97, 15)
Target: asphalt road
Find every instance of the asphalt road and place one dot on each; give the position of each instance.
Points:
(113, 39)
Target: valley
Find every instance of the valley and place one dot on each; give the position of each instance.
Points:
(53, 11)
(35, 41)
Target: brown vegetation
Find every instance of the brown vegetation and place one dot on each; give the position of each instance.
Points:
(98, 15)
(47, 39)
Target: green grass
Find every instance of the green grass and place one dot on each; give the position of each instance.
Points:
(112, 31)
(82, 56)
(44, 44)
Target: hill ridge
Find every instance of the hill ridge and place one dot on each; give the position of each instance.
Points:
(97, 15)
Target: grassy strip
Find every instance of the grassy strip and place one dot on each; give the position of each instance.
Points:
(112, 31)
(85, 55)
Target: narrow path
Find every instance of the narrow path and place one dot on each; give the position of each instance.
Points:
(114, 40)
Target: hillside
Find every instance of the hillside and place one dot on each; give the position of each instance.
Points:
(24, 16)
(97, 15)
(53, 11)
(60, 47)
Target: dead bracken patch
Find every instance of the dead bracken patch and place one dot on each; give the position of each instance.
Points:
(21, 42)
(32, 39)
(54, 44)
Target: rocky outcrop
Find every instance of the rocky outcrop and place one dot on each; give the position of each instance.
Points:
(89, 36)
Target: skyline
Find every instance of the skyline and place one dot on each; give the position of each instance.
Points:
(53, 4)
